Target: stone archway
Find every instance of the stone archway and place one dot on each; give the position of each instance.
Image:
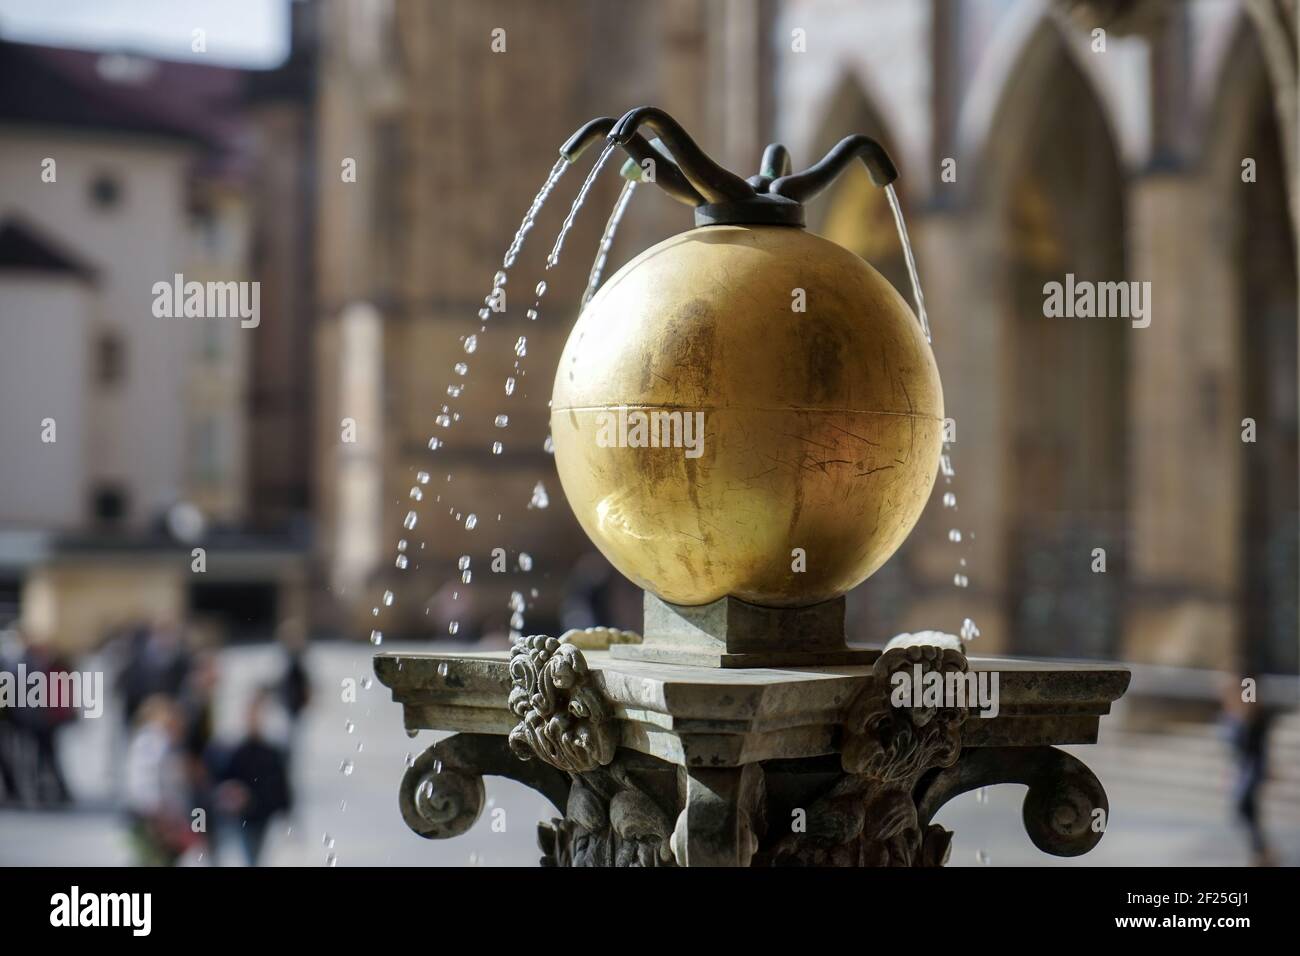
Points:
(1259, 246)
(1050, 202)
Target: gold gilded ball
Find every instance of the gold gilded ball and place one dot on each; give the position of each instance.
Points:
(750, 411)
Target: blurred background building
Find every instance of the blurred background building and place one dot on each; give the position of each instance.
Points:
(372, 182)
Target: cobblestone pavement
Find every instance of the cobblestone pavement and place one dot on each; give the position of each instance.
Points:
(1159, 818)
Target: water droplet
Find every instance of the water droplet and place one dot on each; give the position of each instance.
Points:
(401, 562)
(541, 289)
(498, 280)
(521, 346)
(442, 669)
(367, 683)
(954, 536)
(374, 612)
(517, 621)
(346, 768)
(960, 580)
(410, 760)
(525, 561)
(463, 562)
(454, 391)
(350, 727)
(510, 386)
(410, 520)
(422, 477)
(501, 421)
(466, 576)
(949, 500)
(416, 493)
(548, 446)
(540, 498)
(470, 522)
(444, 421)
(471, 343)
(460, 368)
(532, 315)
(485, 314)
(453, 627)
(982, 795)
(388, 599)
(401, 545)
(982, 857)
(497, 448)
(968, 630)
(434, 444)
(327, 841)
(376, 637)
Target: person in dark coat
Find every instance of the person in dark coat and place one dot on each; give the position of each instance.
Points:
(254, 782)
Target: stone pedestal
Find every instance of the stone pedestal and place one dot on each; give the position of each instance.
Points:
(661, 764)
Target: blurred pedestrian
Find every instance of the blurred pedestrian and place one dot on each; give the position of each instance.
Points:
(157, 662)
(43, 724)
(158, 791)
(1247, 723)
(254, 784)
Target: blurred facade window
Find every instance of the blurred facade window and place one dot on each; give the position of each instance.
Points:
(106, 191)
(109, 503)
(110, 359)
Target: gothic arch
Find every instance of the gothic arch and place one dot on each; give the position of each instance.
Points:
(1253, 234)
(1049, 201)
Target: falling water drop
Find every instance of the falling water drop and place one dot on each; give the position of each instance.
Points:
(525, 561)
(501, 421)
(532, 315)
(470, 522)
(539, 499)
(949, 500)
(376, 637)
(969, 631)
(442, 669)
(416, 493)
(954, 536)
(349, 727)
(510, 386)
(460, 368)
(346, 768)
(541, 289)
(453, 627)
(410, 520)
(960, 580)
(388, 599)
(434, 443)
(548, 446)
(471, 343)
(402, 562)
(497, 448)
(521, 346)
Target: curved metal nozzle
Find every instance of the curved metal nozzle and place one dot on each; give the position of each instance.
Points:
(709, 180)
(666, 173)
(775, 163)
(803, 186)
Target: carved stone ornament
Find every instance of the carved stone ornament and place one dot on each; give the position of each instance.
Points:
(564, 719)
(610, 820)
(869, 816)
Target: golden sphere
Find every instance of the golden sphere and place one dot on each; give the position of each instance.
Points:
(821, 408)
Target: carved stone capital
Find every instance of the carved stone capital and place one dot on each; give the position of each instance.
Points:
(895, 744)
(564, 719)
